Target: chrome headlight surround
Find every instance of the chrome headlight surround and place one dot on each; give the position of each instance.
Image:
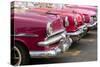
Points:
(75, 21)
(94, 18)
(49, 29)
(66, 21)
(91, 19)
(83, 16)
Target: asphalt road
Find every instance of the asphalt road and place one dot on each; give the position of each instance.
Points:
(85, 50)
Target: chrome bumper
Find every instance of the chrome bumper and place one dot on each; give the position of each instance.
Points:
(39, 54)
(64, 44)
(76, 36)
(49, 41)
(53, 38)
(80, 30)
(92, 25)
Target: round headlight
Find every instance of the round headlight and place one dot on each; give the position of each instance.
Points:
(66, 21)
(91, 19)
(83, 16)
(75, 21)
(49, 29)
(95, 18)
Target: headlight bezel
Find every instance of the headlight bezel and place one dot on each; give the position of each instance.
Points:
(84, 19)
(91, 19)
(49, 29)
(66, 21)
(94, 18)
(75, 21)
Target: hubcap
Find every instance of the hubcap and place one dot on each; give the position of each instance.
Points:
(17, 56)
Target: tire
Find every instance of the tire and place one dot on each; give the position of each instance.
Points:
(20, 55)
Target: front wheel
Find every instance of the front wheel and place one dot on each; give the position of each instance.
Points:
(19, 55)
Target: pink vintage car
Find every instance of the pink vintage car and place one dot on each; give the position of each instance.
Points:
(73, 23)
(37, 35)
(90, 16)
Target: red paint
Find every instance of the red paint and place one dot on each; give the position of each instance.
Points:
(63, 13)
(34, 23)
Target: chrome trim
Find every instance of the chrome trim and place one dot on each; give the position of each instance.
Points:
(79, 31)
(63, 45)
(49, 34)
(83, 26)
(74, 33)
(51, 40)
(94, 17)
(49, 29)
(83, 16)
(91, 20)
(75, 21)
(17, 58)
(45, 53)
(66, 21)
(91, 25)
(62, 30)
(26, 35)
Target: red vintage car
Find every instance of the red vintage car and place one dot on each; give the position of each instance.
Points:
(72, 22)
(37, 35)
(90, 16)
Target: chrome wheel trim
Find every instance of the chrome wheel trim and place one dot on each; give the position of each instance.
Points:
(19, 56)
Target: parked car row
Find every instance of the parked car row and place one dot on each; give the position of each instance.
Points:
(48, 32)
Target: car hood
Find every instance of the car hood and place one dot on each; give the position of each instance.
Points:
(33, 16)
